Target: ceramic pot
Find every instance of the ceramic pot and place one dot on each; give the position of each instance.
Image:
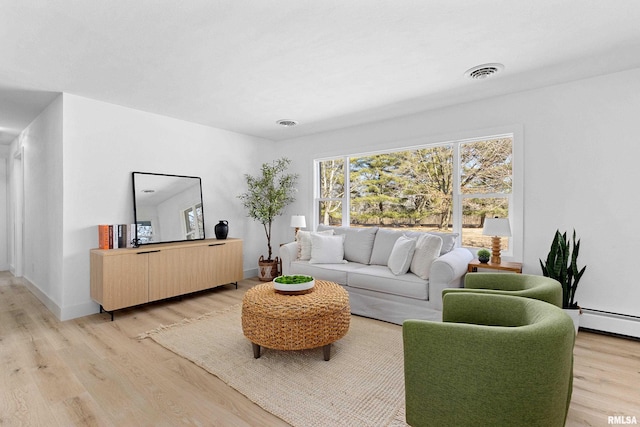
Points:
(221, 229)
(574, 313)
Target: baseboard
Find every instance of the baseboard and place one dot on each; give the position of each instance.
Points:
(85, 309)
(619, 324)
(44, 298)
(250, 273)
(65, 313)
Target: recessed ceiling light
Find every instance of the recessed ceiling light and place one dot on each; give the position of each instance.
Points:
(483, 71)
(287, 123)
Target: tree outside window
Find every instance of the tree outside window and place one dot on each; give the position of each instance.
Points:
(438, 187)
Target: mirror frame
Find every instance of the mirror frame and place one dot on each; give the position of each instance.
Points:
(136, 203)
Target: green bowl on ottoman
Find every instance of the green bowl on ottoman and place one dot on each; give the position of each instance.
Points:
(293, 283)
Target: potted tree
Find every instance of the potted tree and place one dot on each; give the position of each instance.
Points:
(267, 196)
(562, 265)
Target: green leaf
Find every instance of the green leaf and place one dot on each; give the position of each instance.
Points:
(269, 194)
(562, 265)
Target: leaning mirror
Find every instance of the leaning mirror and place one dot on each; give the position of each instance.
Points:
(167, 208)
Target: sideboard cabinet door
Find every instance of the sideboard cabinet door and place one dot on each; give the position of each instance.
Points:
(177, 271)
(120, 280)
(227, 262)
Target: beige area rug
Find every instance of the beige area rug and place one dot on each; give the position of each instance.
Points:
(362, 384)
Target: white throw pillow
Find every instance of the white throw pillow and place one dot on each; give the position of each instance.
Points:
(401, 255)
(428, 248)
(448, 241)
(327, 249)
(304, 243)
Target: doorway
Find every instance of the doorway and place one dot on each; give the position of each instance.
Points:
(17, 217)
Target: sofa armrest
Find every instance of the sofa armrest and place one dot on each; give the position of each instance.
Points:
(448, 271)
(288, 254)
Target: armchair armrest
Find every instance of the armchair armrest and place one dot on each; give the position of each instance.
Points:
(524, 285)
(448, 271)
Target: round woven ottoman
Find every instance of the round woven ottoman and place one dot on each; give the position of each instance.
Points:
(295, 322)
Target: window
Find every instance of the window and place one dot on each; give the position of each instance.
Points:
(486, 178)
(451, 186)
(332, 183)
(193, 222)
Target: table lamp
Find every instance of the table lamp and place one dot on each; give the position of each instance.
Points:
(298, 222)
(496, 228)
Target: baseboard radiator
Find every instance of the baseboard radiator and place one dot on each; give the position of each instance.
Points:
(621, 324)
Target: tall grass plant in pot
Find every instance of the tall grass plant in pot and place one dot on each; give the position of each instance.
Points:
(267, 195)
(562, 264)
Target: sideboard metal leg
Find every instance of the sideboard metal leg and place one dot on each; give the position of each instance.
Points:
(102, 310)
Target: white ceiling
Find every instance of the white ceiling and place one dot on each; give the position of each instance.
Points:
(243, 64)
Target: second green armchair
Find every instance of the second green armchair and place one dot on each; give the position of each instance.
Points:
(520, 285)
(495, 360)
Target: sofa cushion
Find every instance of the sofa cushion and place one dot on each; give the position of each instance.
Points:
(358, 241)
(380, 279)
(385, 239)
(327, 249)
(401, 255)
(304, 243)
(428, 248)
(383, 244)
(332, 272)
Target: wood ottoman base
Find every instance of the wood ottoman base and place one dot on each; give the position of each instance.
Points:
(295, 322)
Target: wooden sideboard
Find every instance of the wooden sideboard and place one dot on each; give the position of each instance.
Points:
(126, 277)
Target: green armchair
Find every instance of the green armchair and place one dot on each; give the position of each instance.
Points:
(522, 285)
(495, 360)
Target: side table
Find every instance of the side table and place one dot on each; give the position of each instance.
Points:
(514, 267)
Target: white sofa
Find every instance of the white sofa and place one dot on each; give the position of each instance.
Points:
(374, 290)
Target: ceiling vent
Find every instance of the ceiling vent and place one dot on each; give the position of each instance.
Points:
(483, 71)
(287, 123)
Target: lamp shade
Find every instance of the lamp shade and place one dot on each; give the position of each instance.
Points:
(497, 227)
(298, 221)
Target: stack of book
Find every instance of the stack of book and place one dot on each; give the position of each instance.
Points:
(113, 236)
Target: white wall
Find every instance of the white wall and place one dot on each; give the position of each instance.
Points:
(41, 148)
(78, 159)
(580, 154)
(15, 207)
(4, 211)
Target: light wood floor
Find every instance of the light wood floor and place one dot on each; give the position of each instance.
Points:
(91, 371)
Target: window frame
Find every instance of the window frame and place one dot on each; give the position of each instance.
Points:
(515, 198)
(197, 232)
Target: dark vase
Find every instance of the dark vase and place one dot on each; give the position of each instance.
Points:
(222, 229)
(483, 260)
